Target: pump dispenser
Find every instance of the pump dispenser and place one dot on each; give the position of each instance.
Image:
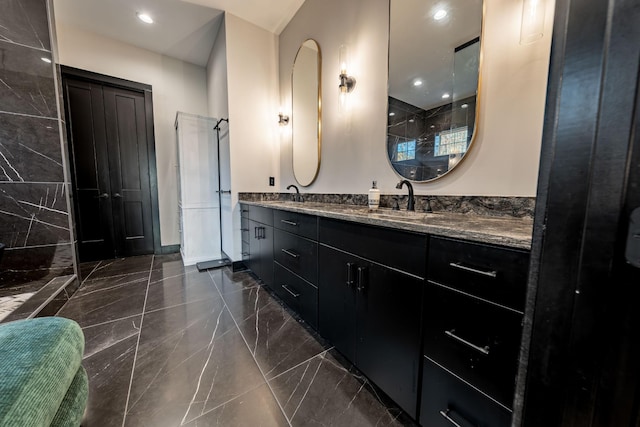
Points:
(374, 197)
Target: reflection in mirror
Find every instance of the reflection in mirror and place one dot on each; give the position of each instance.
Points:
(434, 64)
(306, 113)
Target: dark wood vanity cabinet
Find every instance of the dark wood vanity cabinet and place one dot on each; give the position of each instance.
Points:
(258, 252)
(473, 305)
(296, 263)
(370, 311)
(434, 322)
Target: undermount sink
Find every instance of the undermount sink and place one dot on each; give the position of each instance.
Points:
(401, 215)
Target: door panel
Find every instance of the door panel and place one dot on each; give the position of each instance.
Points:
(127, 142)
(109, 141)
(90, 169)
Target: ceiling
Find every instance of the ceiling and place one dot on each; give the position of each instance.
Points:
(183, 29)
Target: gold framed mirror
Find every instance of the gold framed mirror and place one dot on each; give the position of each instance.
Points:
(434, 85)
(306, 112)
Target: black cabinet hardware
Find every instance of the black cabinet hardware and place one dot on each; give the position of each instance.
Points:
(261, 234)
(292, 293)
(632, 252)
(286, 221)
(117, 196)
(484, 350)
(244, 229)
(362, 278)
(291, 254)
(445, 415)
(102, 196)
(460, 266)
(350, 267)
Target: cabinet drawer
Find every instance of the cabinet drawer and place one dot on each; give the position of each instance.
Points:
(489, 272)
(298, 254)
(476, 340)
(444, 395)
(261, 215)
(402, 250)
(301, 296)
(296, 223)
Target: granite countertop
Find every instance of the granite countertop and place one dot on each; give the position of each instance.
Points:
(505, 231)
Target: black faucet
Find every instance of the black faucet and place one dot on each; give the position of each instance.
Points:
(295, 197)
(411, 203)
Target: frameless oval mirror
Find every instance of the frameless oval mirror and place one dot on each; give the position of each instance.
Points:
(306, 112)
(434, 74)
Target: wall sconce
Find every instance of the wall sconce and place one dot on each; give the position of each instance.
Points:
(347, 83)
(282, 119)
(532, 21)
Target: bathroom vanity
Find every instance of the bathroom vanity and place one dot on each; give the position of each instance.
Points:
(428, 306)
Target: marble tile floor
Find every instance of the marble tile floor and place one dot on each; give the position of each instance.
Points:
(8, 304)
(170, 346)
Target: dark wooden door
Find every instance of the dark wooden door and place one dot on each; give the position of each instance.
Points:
(110, 169)
(388, 325)
(337, 299)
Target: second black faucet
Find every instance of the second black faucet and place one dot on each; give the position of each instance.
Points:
(411, 204)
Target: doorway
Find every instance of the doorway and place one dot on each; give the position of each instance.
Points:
(112, 163)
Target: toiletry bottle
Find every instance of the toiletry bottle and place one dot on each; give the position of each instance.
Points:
(374, 197)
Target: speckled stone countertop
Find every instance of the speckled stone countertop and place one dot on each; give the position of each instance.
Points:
(504, 231)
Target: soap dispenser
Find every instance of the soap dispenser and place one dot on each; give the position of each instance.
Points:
(374, 197)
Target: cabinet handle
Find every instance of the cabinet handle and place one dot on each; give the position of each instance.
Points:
(362, 272)
(244, 210)
(244, 229)
(460, 266)
(445, 415)
(117, 196)
(293, 294)
(285, 221)
(255, 233)
(263, 233)
(484, 350)
(350, 281)
(102, 196)
(291, 254)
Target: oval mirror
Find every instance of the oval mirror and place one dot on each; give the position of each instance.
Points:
(434, 74)
(306, 113)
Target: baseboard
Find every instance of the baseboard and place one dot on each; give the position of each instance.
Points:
(169, 249)
(238, 266)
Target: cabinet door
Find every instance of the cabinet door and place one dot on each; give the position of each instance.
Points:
(254, 248)
(337, 299)
(266, 254)
(388, 331)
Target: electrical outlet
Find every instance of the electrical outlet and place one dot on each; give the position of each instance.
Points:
(272, 181)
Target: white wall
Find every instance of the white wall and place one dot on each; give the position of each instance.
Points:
(505, 155)
(248, 88)
(177, 86)
(218, 98)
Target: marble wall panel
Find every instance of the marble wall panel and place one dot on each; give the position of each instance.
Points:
(33, 214)
(25, 22)
(40, 264)
(26, 81)
(30, 149)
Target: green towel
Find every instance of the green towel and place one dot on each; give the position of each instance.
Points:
(39, 359)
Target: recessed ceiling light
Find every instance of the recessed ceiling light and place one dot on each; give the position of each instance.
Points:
(47, 60)
(445, 96)
(145, 18)
(417, 82)
(464, 105)
(391, 114)
(439, 14)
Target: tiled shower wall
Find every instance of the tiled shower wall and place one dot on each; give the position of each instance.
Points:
(35, 206)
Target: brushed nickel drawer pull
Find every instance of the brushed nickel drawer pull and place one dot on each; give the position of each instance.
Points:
(293, 294)
(445, 415)
(484, 350)
(291, 254)
(460, 266)
(285, 221)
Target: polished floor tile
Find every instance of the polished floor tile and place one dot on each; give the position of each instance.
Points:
(167, 345)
